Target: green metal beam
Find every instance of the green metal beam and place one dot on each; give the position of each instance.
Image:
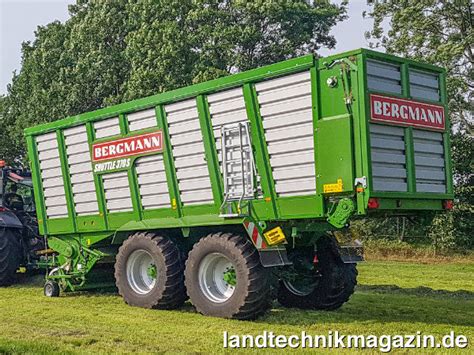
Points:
(66, 179)
(210, 150)
(262, 158)
(170, 169)
(99, 188)
(410, 159)
(38, 191)
(315, 96)
(132, 175)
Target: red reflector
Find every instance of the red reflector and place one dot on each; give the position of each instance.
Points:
(2, 209)
(373, 203)
(315, 259)
(448, 204)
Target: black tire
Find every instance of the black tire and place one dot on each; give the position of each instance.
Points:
(168, 291)
(333, 286)
(51, 289)
(251, 295)
(10, 257)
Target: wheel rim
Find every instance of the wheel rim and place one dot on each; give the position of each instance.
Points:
(217, 278)
(141, 272)
(300, 288)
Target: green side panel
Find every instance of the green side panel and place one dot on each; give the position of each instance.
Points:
(118, 219)
(331, 99)
(298, 207)
(90, 223)
(334, 158)
(59, 225)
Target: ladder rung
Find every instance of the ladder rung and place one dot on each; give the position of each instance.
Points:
(237, 161)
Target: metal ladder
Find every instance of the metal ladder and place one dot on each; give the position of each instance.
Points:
(238, 168)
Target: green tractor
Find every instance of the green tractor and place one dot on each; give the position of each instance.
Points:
(20, 243)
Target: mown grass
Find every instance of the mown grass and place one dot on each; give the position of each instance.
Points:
(394, 250)
(393, 298)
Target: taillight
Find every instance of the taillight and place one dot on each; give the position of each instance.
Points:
(373, 203)
(2, 209)
(448, 204)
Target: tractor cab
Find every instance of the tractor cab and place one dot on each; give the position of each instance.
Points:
(16, 190)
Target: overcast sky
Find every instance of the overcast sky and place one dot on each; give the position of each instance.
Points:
(20, 18)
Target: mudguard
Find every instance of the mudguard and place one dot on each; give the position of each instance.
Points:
(9, 220)
(350, 249)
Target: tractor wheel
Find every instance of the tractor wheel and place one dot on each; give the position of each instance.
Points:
(149, 272)
(51, 289)
(224, 278)
(9, 256)
(325, 286)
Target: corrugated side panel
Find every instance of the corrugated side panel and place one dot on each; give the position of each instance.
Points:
(429, 161)
(286, 110)
(80, 170)
(424, 85)
(228, 107)
(188, 151)
(107, 128)
(388, 158)
(51, 176)
(152, 182)
(117, 192)
(141, 120)
(150, 170)
(382, 76)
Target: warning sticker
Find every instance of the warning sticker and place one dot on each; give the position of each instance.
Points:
(332, 188)
(275, 236)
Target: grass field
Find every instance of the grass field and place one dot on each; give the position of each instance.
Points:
(392, 298)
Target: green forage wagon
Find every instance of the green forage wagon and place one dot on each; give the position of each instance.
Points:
(219, 191)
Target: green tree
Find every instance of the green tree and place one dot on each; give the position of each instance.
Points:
(180, 42)
(37, 93)
(112, 51)
(435, 31)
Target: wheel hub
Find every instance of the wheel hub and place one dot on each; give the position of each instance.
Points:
(217, 277)
(141, 272)
(304, 276)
